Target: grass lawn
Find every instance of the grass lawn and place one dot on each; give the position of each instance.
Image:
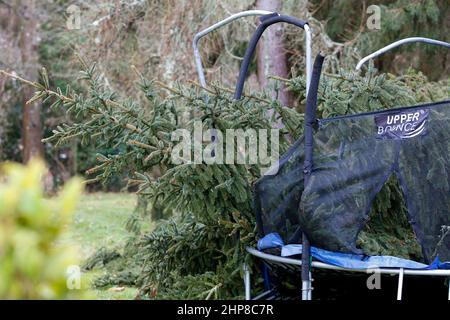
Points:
(99, 221)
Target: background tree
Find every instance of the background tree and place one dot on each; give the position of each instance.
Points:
(9, 54)
(271, 53)
(21, 29)
(28, 43)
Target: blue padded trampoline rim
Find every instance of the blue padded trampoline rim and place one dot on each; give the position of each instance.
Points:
(347, 260)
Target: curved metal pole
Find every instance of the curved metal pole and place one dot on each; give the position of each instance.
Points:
(266, 21)
(399, 43)
(201, 34)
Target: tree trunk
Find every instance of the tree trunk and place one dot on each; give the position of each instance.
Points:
(31, 121)
(271, 55)
(31, 118)
(31, 130)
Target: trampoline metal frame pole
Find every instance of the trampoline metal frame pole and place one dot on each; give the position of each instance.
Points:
(326, 266)
(306, 272)
(308, 44)
(247, 285)
(310, 118)
(400, 284)
(448, 288)
(306, 284)
(399, 43)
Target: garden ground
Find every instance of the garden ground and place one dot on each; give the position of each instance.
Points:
(99, 221)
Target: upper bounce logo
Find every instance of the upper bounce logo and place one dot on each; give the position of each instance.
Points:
(235, 146)
(402, 125)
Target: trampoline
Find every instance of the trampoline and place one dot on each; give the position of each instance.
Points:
(327, 181)
(312, 210)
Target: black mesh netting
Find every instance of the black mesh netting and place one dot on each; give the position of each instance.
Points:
(353, 158)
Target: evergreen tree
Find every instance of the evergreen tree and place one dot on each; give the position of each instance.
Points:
(198, 252)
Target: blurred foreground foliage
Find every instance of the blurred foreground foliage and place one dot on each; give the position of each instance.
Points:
(32, 264)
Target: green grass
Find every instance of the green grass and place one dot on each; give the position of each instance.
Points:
(129, 293)
(99, 221)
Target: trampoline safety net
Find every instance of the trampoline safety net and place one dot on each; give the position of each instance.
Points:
(352, 158)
